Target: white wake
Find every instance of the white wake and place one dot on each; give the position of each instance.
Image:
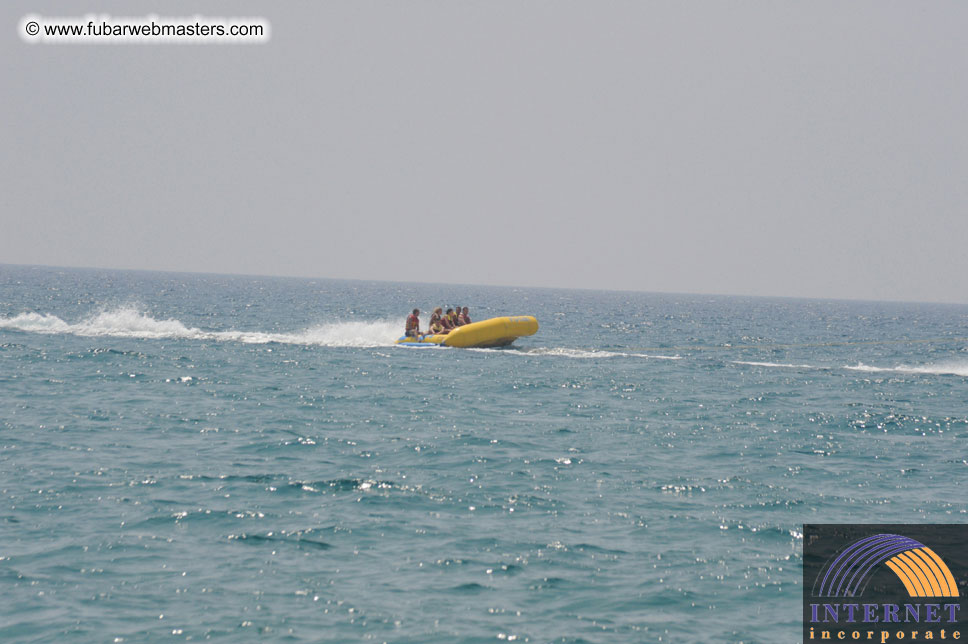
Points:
(784, 365)
(952, 368)
(591, 354)
(129, 322)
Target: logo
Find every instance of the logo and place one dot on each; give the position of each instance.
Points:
(885, 583)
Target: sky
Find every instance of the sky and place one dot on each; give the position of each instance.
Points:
(803, 149)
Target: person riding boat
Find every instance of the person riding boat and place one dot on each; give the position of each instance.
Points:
(448, 321)
(464, 317)
(453, 317)
(413, 324)
(435, 325)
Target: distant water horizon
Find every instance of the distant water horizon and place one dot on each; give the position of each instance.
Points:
(820, 298)
(191, 456)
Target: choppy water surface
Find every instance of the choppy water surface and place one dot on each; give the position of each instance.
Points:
(192, 457)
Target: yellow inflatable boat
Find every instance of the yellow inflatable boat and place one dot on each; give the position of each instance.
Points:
(496, 332)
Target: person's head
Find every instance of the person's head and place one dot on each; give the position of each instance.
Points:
(416, 311)
(449, 311)
(465, 311)
(438, 310)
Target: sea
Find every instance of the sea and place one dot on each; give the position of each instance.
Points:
(189, 457)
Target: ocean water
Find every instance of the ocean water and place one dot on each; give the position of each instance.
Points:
(197, 457)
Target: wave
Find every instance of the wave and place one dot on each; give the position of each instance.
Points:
(129, 322)
(590, 353)
(953, 368)
(777, 364)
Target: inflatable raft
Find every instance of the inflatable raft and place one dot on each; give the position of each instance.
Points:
(496, 332)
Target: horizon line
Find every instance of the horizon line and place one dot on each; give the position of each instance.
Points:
(509, 286)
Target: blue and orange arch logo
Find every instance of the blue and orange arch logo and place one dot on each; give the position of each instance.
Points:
(919, 568)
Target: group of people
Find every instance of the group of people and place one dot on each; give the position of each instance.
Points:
(441, 323)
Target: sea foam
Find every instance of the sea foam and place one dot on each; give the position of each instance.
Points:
(129, 322)
(784, 365)
(591, 353)
(952, 368)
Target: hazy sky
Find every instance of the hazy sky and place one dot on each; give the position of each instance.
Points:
(813, 149)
